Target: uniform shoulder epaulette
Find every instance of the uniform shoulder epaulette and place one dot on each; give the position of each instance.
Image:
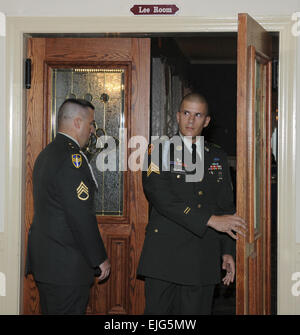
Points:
(71, 147)
(75, 155)
(212, 145)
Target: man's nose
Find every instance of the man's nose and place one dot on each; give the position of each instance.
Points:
(191, 118)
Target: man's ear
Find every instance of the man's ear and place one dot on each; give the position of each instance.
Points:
(207, 120)
(77, 122)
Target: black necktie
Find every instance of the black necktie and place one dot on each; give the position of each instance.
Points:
(194, 152)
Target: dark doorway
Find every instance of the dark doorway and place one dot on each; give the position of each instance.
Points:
(207, 63)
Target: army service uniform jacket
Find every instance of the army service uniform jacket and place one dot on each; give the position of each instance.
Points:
(64, 243)
(179, 247)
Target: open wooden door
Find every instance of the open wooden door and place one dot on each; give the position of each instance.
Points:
(253, 166)
(114, 74)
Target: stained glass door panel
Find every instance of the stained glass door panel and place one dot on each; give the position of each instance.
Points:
(105, 89)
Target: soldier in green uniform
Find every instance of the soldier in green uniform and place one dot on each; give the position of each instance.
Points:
(193, 225)
(65, 248)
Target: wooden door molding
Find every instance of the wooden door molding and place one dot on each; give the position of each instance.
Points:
(123, 236)
(253, 252)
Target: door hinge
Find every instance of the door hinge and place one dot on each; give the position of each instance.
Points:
(28, 73)
(250, 250)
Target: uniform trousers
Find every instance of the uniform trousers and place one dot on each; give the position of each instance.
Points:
(63, 299)
(166, 298)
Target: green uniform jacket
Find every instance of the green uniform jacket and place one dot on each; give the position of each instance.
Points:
(179, 246)
(64, 243)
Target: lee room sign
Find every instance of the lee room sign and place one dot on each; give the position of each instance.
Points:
(154, 9)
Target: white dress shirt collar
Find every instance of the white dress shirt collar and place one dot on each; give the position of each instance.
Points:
(188, 144)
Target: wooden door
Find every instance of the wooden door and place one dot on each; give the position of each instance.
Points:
(253, 166)
(114, 74)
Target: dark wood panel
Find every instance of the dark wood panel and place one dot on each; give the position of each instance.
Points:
(34, 144)
(118, 289)
(95, 49)
(139, 125)
(258, 37)
(253, 252)
(123, 236)
(242, 161)
(267, 233)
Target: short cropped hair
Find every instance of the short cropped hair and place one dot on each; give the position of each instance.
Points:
(70, 108)
(195, 97)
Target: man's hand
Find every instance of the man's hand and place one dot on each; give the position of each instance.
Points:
(105, 270)
(229, 266)
(228, 224)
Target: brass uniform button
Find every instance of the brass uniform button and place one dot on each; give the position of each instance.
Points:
(200, 192)
(156, 230)
(178, 176)
(199, 206)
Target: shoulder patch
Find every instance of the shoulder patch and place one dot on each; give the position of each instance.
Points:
(77, 160)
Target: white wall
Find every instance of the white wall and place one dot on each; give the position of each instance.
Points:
(2, 114)
(211, 8)
(2, 152)
(297, 88)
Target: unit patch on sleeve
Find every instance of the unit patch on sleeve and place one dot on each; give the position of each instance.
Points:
(77, 160)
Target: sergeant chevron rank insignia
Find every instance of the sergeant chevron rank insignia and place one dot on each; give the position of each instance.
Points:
(77, 160)
(152, 168)
(82, 191)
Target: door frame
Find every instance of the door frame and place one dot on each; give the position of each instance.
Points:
(17, 27)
